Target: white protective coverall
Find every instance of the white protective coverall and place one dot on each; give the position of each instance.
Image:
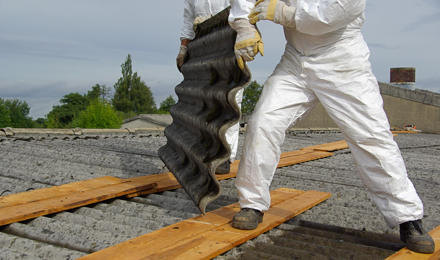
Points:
(326, 59)
(197, 11)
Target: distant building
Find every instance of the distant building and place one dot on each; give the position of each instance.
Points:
(404, 106)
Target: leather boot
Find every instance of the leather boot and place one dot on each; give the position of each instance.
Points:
(247, 219)
(416, 238)
(223, 168)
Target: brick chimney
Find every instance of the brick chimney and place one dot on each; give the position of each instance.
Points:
(403, 77)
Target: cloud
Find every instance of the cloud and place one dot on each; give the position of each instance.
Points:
(48, 89)
(50, 48)
(435, 3)
(423, 21)
(38, 46)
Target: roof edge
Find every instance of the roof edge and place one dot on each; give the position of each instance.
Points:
(147, 118)
(417, 95)
(8, 131)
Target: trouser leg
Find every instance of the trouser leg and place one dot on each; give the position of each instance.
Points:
(232, 134)
(354, 102)
(282, 101)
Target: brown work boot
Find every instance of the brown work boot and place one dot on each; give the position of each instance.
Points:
(223, 168)
(247, 219)
(416, 238)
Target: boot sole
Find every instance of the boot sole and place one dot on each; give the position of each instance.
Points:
(246, 225)
(424, 249)
(222, 171)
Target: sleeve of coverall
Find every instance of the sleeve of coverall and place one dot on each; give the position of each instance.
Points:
(187, 31)
(240, 9)
(318, 17)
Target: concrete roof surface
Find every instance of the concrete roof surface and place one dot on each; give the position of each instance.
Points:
(347, 226)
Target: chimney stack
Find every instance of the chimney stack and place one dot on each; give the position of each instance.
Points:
(403, 77)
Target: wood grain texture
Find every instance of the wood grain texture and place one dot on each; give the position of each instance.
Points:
(406, 254)
(46, 193)
(31, 204)
(210, 235)
(74, 199)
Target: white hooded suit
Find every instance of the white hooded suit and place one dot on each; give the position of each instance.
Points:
(326, 59)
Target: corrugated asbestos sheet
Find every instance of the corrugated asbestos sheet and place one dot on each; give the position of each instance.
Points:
(206, 108)
(345, 227)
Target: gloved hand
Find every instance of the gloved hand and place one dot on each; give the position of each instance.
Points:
(181, 56)
(248, 42)
(273, 10)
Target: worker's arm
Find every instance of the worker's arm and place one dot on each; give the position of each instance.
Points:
(240, 9)
(248, 42)
(184, 42)
(313, 17)
(187, 32)
(317, 17)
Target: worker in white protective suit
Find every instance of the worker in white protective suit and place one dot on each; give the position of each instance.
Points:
(326, 59)
(195, 12)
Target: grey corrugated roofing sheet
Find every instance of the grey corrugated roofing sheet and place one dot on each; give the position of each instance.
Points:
(161, 120)
(347, 226)
(206, 108)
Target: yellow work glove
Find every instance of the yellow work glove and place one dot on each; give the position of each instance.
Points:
(248, 42)
(181, 56)
(273, 10)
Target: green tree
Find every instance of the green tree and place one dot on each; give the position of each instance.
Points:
(15, 113)
(166, 105)
(5, 119)
(63, 115)
(98, 92)
(99, 114)
(131, 93)
(251, 95)
(40, 123)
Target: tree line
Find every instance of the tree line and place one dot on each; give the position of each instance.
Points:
(97, 109)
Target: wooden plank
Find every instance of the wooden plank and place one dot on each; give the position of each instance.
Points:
(286, 159)
(296, 153)
(405, 254)
(232, 173)
(163, 182)
(56, 191)
(35, 209)
(435, 255)
(275, 216)
(167, 181)
(209, 235)
(168, 236)
(51, 199)
(141, 247)
(306, 157)
(329, 147)
(226, 237)
(405, 132)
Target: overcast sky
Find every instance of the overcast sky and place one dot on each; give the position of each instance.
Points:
(49, 48)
